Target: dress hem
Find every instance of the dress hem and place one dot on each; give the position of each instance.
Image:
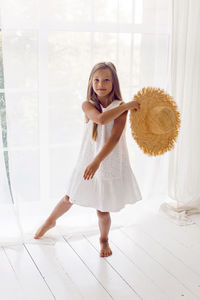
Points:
(108, 210)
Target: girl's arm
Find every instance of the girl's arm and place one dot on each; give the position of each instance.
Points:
(113, 113)
(117, 129)
(109, 115)
(111, 142)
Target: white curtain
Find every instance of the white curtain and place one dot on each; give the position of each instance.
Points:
(184, 170)
(48, 50)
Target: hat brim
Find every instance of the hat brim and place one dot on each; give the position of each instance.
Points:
(150, 143)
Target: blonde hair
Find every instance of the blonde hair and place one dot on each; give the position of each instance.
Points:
(92, 96)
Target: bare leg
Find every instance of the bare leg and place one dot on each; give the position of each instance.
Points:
(63, 205)
(104, 226)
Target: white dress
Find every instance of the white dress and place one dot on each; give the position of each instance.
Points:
(114, 184)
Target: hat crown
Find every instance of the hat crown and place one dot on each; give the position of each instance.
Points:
(156, 124)
(161, 120)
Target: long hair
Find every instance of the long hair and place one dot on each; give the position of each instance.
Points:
(115, 94)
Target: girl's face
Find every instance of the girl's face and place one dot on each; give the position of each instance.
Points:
(102, 82)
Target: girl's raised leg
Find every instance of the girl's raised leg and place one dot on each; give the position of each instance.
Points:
(63, 205)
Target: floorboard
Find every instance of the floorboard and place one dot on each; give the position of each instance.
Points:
(153, 259)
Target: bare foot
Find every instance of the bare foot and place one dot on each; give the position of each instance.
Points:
(46, 226)
(105, 249)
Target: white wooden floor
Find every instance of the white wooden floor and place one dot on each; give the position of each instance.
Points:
(153, 260)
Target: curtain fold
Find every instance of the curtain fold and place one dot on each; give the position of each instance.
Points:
(184, 171)
(48, 51)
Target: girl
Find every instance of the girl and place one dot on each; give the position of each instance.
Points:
(102, 178)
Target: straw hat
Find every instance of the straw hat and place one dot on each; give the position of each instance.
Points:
(155, 126)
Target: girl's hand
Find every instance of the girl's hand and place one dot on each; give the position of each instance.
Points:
(91, 169)
(133, 105)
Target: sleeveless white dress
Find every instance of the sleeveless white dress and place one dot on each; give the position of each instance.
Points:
(114, 184)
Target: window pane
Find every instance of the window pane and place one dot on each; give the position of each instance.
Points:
(124, 63)
(22, 119)
(138, 11)
(20, 14)
(125, 11)
(105, 10)
(25, 173)
(63, 11)
(69, 57)
(105, 47)
(20, 59)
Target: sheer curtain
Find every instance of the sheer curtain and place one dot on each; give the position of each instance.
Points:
(184, 171)
(48, 50)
